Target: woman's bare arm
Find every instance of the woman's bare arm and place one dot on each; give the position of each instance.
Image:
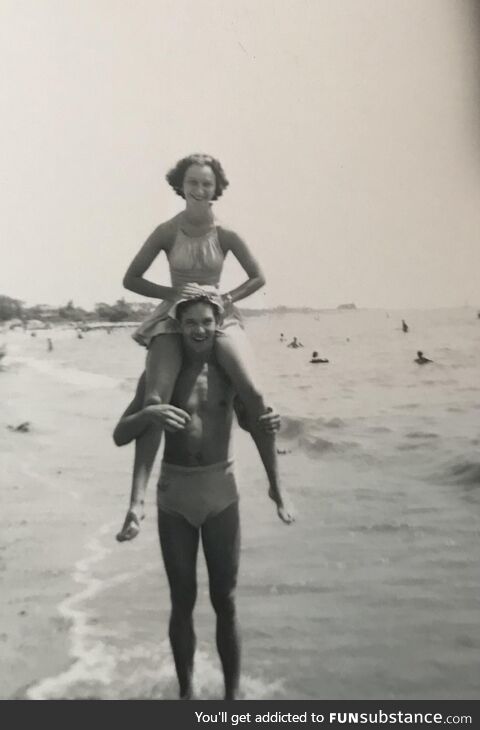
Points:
(159, 240)
(232, 242)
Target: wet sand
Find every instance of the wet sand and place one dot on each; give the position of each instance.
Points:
(51, 477)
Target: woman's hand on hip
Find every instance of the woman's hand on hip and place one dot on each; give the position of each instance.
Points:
(188, 291)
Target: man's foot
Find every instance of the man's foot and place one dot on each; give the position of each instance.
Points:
(131, 526)
(187, 695)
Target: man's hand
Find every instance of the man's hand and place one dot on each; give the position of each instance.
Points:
(270, 421)
(168, 417)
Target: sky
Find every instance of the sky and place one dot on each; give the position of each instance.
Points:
(349, 131)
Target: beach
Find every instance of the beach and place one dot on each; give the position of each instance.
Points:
(372, 594)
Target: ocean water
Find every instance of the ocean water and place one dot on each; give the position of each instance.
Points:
(374, 592)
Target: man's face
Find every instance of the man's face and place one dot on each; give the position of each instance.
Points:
(198, 325)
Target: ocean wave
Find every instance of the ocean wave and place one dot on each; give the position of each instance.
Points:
(66, 374)
(421, 435)
(317, 446)
(102, 667)
(309, 435)
(466, 473)
(293, 427)
(284, 589)
(90, 662)
(383, 527)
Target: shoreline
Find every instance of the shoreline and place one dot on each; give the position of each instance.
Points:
(51, 510)
(58, 524)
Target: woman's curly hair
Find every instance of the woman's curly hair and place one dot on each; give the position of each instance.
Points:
(176, 175)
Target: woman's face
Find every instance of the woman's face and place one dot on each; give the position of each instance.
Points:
(199, 184)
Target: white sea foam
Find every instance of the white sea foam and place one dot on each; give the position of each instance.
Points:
(102, 669)
(92, 663)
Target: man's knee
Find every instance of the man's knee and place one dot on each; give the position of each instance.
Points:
(223, 602)
(183, 602)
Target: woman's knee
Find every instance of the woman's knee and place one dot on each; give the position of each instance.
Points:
(164, 360)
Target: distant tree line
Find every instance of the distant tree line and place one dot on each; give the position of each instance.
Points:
(121, 311)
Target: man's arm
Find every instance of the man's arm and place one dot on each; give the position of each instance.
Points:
(270, 421)
(132, 421)
(136, 418)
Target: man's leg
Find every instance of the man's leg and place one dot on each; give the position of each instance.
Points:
(179, 544)
(221, 545)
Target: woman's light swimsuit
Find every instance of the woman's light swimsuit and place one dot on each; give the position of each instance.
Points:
(196, 493)
(196, 260)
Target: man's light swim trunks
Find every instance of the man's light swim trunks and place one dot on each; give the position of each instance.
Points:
(196, 493)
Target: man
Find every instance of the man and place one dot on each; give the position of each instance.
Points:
(197, 493)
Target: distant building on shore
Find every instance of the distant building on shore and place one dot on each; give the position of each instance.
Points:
(46, 311)
(350, 305)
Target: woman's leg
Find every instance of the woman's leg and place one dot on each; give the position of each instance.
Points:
(164, 360)
(179, 545)
(235, 360)
(221, 545)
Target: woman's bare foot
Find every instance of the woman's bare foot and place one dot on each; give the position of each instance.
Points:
(131, 526)
(284, 511)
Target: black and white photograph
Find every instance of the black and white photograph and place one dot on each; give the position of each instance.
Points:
(240, 350)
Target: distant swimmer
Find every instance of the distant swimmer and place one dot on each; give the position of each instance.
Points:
(295, 343)
(404, 326)
(316, 359)
(420, 359)
(79, 335)
(282, 337)
(49, 344)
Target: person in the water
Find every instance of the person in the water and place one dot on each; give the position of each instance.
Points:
(316, 359)
(295, 343)
(420, 359)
